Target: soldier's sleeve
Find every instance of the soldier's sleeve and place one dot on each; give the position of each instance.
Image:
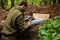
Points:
(20, 22)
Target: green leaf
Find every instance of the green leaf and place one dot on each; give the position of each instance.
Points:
(7, 5)
(45, 38)
(50, 30)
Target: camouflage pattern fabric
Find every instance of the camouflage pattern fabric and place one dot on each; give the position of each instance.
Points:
(8, 38)
(9, 25)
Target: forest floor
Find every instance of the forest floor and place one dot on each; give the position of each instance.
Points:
(53, 9)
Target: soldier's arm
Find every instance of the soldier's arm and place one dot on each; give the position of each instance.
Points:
(23, 25)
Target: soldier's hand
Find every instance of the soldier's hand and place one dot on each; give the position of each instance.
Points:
(29, 23)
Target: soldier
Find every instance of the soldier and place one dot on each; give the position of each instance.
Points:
(15, 24)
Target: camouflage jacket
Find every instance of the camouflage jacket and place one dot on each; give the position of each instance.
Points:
(9, 26)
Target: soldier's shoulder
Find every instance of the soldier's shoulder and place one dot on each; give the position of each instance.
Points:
(12, 9)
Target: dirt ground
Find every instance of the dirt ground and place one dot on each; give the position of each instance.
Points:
(53, 9)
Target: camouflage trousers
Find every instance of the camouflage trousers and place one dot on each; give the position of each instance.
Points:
(8, 38)
(11, 37)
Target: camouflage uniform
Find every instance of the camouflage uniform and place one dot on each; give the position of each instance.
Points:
(9, 26)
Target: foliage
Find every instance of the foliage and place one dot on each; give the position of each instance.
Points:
(34, 2)
(7, 4)
(50, 30)
(29, 2)
(39, 2)
(16, 2)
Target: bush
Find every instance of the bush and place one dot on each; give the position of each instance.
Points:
(50, 30)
